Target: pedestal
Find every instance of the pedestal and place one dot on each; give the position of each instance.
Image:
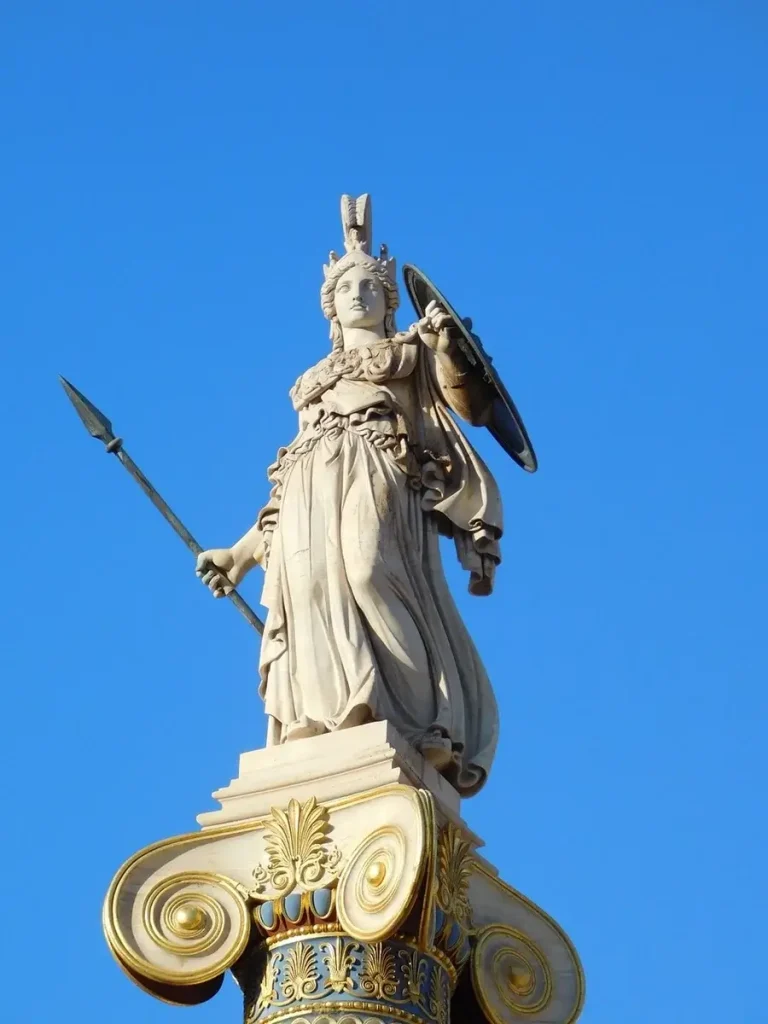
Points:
(338, 883)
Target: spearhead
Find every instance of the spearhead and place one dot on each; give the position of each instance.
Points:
(94, 420)
(97, 425)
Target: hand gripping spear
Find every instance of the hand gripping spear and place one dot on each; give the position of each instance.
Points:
(98, 426)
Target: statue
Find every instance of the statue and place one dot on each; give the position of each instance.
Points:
(361, 624)
(337, 881)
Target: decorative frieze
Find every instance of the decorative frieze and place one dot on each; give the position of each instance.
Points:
(329, 971)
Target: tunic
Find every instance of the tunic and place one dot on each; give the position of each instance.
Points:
(360, 622)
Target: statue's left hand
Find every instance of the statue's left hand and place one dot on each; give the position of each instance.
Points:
(433, 328)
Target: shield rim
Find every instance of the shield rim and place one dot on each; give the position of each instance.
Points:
(468, 341)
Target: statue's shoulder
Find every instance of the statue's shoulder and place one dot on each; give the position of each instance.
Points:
(371, 361)
(319, 377)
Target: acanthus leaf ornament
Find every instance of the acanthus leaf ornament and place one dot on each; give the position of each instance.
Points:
(414, 970)
(301, 975)
(454, 857)
(299, 851)
(340, 958)
(268, 989)
(439, 996)
(379, 977)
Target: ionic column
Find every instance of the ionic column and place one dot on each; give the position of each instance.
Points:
(339, 894)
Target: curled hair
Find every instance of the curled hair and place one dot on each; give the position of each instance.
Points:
(334, 275)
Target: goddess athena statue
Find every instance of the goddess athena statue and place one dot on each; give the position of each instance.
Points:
(361, 624)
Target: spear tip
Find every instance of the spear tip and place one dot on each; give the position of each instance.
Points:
(94, 420)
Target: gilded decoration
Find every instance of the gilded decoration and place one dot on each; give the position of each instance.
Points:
(331, 970)
(276, 917)
(545, 968)
(511, 975)
(454, 858)
(381, 879)
(427, 917)
(439, 998)
(299, 851)
(268, 989)
(194, 924)
(340, 957)
(379, 978)
(301, 975)
(414, 970)
(347, 1018)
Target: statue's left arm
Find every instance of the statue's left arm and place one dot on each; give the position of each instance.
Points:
(463, 390)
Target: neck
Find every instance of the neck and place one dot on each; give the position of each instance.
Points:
(354, 337)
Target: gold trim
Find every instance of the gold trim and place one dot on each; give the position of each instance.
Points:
(440, 956)
(454, 867)
(376, 875)
(426, 936)
(142, 984)
(210, 908)
(524, 985)
(408, 903)
(509, 890)
(482, 972)
(112, 932)
(347, 1018)
(291, 934)
(186, 922)
(384, 860)
(299, 852)
(342, 955)
(378, 1009)
(255, 824)
(302, 976)
(122, 950)
(229, 828)
(319, 931)
(378, 977)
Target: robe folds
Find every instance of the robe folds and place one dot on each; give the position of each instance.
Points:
(360, 622)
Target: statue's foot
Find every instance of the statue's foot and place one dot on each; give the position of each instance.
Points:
(437, 749)
(304, 728)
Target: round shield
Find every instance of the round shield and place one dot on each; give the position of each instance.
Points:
(506, 422)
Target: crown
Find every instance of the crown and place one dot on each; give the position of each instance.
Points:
(357, 224)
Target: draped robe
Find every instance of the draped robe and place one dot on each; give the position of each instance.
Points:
(360, 622)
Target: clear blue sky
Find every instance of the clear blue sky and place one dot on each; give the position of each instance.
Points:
(588, 180)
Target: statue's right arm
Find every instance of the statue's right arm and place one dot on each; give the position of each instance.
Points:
(248, 551)
(221, 569)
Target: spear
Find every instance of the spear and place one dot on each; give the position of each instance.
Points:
(98, 426)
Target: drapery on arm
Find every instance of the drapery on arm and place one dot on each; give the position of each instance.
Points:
(463, 387)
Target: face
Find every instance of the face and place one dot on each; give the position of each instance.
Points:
(360, 299)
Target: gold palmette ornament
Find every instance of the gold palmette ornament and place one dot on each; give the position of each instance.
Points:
(396, 920)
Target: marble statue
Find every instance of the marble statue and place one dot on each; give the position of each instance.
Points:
(361, 625)
(336, 880)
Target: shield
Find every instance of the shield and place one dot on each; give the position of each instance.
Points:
(506, 423)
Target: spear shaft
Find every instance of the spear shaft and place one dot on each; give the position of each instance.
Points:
(98, 426)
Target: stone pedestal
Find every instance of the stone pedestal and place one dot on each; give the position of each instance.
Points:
(338, 883)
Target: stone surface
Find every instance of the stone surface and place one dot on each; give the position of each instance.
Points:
(360, 622)
(328, 767)
(374, 904)
(337, 880)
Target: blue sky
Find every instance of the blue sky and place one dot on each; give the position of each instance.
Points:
(587, 180)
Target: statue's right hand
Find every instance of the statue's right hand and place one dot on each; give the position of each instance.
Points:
(214, 568)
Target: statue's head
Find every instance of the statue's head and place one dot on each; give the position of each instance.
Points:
(360, 290)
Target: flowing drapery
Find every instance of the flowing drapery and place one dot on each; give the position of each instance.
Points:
(360, 619)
